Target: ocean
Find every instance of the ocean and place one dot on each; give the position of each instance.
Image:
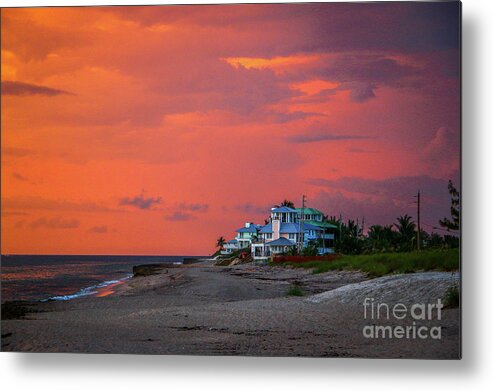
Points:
(65, 277)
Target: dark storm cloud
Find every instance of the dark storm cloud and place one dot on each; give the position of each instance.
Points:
(316, 137)
(140, 201)
(55, 223)
(18, 88)
(179, 216)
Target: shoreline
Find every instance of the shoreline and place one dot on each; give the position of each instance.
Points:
(236, 310)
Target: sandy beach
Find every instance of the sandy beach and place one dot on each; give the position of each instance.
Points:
(240, 310)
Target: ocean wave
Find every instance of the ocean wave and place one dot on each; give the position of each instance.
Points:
(89, 291)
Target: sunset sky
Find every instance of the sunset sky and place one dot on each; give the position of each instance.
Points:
(154, 130)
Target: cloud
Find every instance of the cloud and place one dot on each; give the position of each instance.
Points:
(186, 211)
(23, 203)
(18, 88)
(441, 153)
(141, 202)
(403, 188)
(194, 207)
(19, 177)
(16, 152)
(382, 201)
(179, 216)
(8, 213)
(99, 229)
(316, 137)
(374, 26)
(362, 92)
(249, 208)
(55, 223)
(358, 150)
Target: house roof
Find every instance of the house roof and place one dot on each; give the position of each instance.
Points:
(309, 211)
(290, 228)
(251, 229)
(280, 242)
(266, 229)
(283, 209)
(323, 224)
(311, 226)
(233, 241)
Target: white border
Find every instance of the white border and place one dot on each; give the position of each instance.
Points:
(94, 372)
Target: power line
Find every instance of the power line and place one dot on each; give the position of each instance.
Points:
(437, 228)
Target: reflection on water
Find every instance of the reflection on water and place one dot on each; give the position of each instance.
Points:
(64, 277)
(108, 290)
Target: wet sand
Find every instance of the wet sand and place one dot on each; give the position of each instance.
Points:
(240, 310)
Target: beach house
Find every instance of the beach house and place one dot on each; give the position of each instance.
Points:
(243, 239)
(245, 235)
(315, 217)
(288, 228)
(229, 247)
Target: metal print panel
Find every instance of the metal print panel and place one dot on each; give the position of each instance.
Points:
(261, 179)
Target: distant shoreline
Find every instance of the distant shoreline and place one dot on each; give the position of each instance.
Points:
(66, 277)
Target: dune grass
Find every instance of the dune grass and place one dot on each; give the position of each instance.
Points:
(376, 265)
(452, 297)
(295, 290)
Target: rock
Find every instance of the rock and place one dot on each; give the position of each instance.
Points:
(151, 269)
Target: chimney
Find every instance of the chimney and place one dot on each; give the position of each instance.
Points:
(276, 227)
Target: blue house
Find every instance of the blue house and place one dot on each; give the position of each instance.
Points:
(286, 229)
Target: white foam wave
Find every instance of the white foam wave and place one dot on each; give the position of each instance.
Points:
(90, 290)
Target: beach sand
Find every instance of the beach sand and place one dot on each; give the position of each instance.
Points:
(241, 310)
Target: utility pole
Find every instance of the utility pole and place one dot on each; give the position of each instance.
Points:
(340, 227)
(302, 225)
(419, 221)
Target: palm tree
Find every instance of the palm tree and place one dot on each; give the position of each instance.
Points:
(406, 229)
(220, 242)
(380, 238)
(287, 203)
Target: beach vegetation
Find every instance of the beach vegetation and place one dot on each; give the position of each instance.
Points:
(376, 265)
(220, 242)
(295, 290)
(311, 249)
(452, 224)
(452, 296)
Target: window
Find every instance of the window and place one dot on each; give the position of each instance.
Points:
(268, 236)
(292, 236)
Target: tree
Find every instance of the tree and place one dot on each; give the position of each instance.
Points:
(287, 203)
(310, 249)
(454, 224)
(349, 239)
(220, 242)
(406, 230)
(380, 239)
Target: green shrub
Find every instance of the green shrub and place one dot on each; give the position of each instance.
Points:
(295, 290)
(452, 297)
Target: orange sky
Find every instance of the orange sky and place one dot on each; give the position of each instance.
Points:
(154, 130)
